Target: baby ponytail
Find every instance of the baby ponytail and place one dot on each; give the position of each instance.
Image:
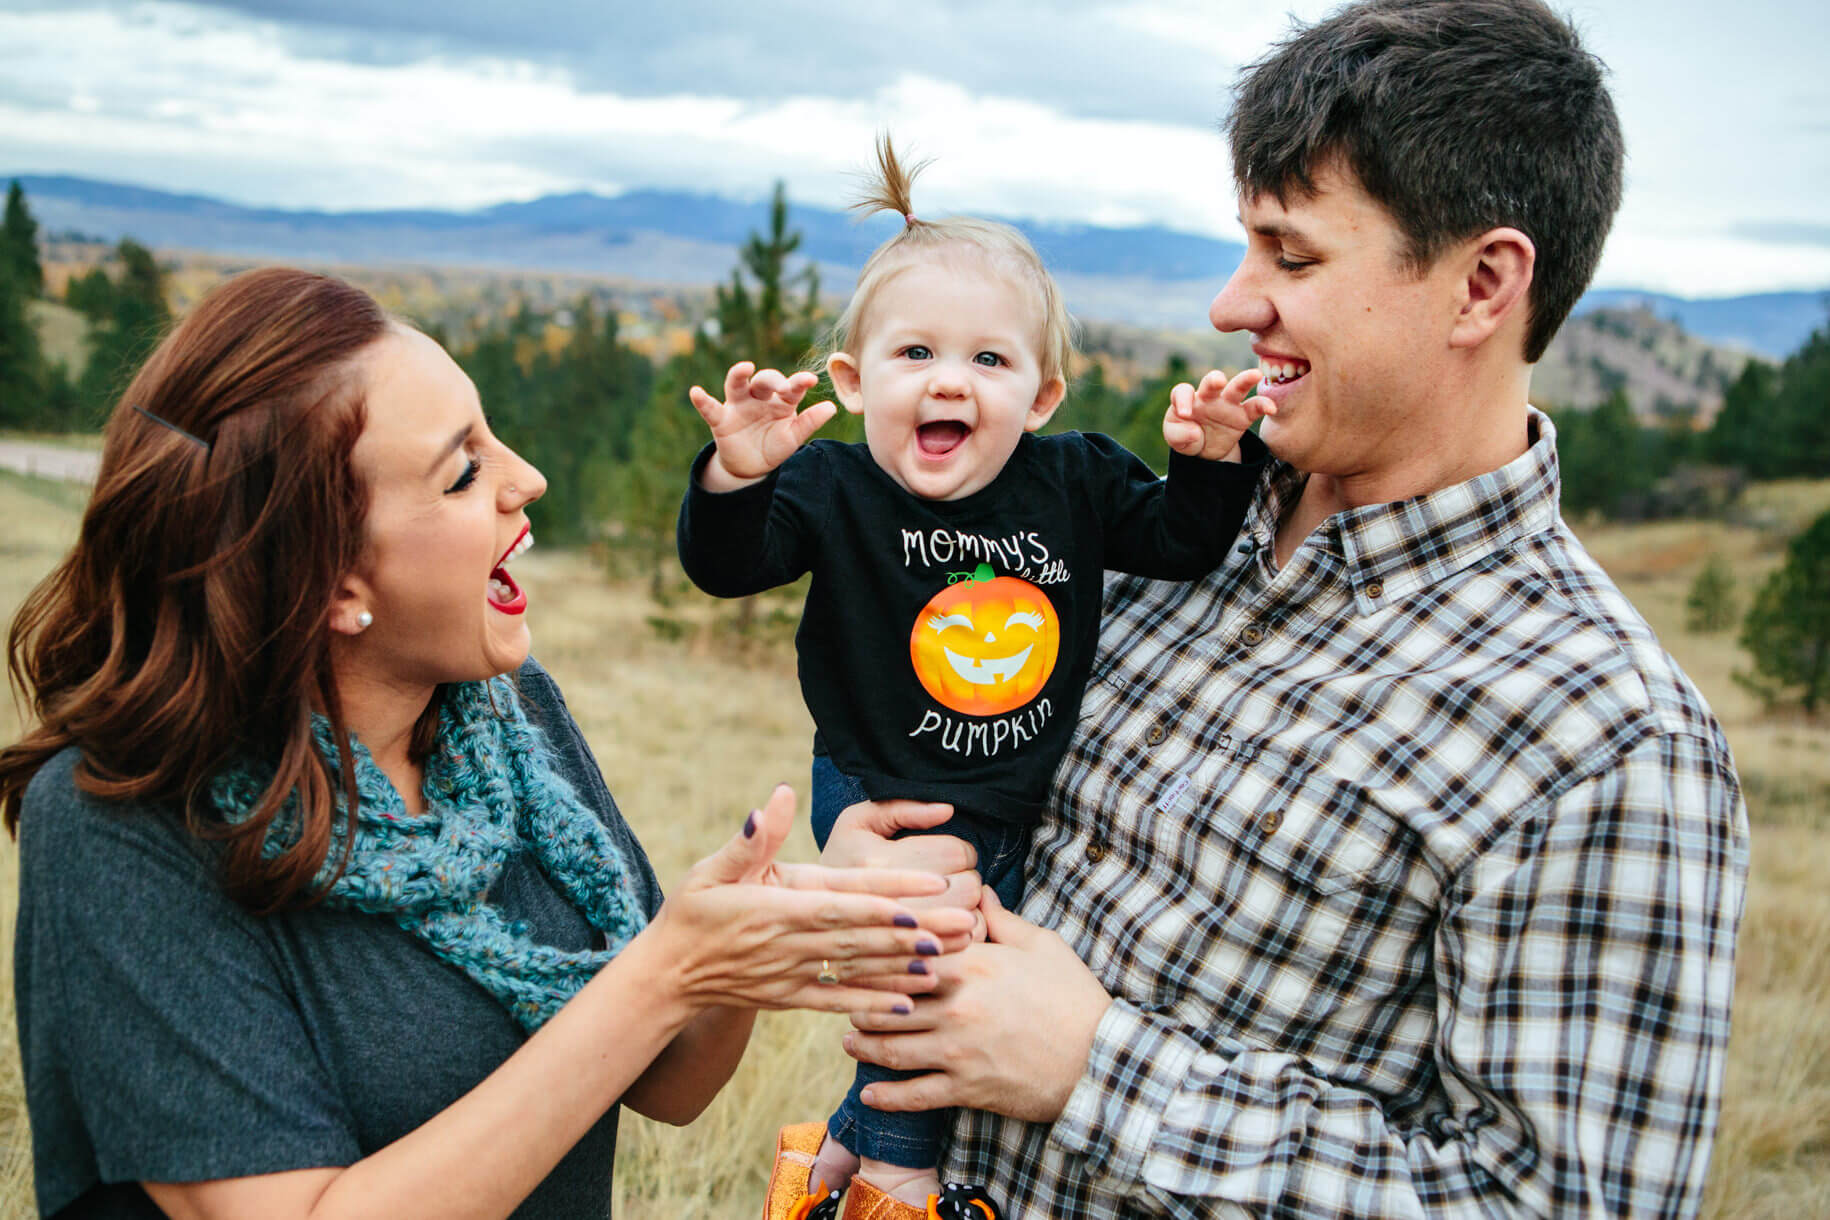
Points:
(891, 188)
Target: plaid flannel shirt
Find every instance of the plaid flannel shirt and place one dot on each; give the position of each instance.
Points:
(1414, 869)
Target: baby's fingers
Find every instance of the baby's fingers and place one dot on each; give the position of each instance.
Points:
(795, 388)
(737, 380)
(709, 408)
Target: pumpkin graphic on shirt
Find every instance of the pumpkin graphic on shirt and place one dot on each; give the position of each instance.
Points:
(985, 644)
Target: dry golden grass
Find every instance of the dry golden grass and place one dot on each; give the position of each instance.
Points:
(692, 732)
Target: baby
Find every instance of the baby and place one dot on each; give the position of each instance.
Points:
(957, 560)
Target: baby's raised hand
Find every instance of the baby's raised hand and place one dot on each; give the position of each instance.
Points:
(759, 424)
(1206, 421)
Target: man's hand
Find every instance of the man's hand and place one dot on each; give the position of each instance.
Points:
(976, 1036)
(757, 427)
(1206, 421)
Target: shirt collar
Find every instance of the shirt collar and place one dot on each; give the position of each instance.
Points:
(1392, 549)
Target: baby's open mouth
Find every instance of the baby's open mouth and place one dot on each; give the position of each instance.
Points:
(504, 594)
(941, 437)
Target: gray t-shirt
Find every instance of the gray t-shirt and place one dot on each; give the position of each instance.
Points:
(170, 1035)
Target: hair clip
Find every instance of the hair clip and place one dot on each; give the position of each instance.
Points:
(166, 423)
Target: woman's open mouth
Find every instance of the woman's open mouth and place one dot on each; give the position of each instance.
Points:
(504, 594)
(941, 437)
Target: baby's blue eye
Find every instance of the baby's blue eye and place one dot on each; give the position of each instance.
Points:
(916, 351)
(989, 359)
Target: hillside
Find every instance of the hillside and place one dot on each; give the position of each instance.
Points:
(62, 333)
(1667, 372)
(1143, 276)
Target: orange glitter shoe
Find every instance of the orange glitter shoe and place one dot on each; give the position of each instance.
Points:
(955, 1202)
(791, 1196)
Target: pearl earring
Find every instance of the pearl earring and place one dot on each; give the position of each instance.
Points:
(363, 619)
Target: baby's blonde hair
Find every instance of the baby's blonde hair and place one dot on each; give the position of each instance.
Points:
(889, 189)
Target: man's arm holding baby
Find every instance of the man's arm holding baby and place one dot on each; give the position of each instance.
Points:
(1157, 1110)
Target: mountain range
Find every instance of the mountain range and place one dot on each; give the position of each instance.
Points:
(1145, 276)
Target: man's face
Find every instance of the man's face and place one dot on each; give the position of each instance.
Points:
(1353, 341)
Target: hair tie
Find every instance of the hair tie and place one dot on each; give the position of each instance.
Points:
(908, 220)
(166, 423)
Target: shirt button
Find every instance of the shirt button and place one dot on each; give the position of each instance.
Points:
(1096, 851)
(1375, 589)
(1246, 547)
(1270, 822)
(1154, 735)
(1252, 635)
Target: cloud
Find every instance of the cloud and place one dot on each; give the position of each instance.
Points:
(199, 102)
(1090, 58)
(1784, 232)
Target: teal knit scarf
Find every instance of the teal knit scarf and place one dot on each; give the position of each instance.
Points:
(490, 791)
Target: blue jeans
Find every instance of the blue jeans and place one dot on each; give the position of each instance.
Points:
(911, 1139)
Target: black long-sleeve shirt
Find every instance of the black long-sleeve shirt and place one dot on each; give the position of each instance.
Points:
(945, 643)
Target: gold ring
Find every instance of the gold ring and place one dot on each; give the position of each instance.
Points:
(827, 974)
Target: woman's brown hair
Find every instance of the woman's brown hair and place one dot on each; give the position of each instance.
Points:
(189, 626)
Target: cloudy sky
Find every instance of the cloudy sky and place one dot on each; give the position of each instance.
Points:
(1075, 110)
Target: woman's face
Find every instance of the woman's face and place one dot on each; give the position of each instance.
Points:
(446, 501)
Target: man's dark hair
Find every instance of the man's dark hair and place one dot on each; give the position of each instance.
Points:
(1457, 116)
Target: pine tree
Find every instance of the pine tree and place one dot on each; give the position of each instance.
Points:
(22, 373)
(1740, 435)
(1711, 604)
(768, 314)
(19, 244)
(135, 317)
(1787, 630)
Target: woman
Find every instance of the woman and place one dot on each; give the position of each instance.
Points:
(290, 599)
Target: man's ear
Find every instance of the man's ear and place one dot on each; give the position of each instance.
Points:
(847, 386)
(1496, 286)
(1047, 399)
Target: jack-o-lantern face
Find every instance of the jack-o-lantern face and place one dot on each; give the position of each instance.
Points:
(982, 647)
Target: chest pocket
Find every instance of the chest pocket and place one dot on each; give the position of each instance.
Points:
(1298, 902)
(1319, 832)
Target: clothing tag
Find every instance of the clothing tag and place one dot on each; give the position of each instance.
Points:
(1172, 796)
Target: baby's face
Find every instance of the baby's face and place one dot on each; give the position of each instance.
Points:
(946, 374)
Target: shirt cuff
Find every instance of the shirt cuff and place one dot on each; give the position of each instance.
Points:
(1113, 1114)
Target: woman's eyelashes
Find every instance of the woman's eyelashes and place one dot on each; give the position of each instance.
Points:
(472, 468)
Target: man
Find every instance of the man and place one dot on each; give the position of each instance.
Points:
(1395, 869)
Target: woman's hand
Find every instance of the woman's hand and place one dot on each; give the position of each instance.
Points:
(746, 930)
(759, 425)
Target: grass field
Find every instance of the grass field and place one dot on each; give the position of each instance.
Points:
(692, 731)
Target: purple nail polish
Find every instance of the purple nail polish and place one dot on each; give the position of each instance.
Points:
(902, 1010)
(928, 948)
(749, 824)
(904, 920)
(918, 967)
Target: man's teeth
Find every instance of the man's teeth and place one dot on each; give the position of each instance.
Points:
(1277, 372)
